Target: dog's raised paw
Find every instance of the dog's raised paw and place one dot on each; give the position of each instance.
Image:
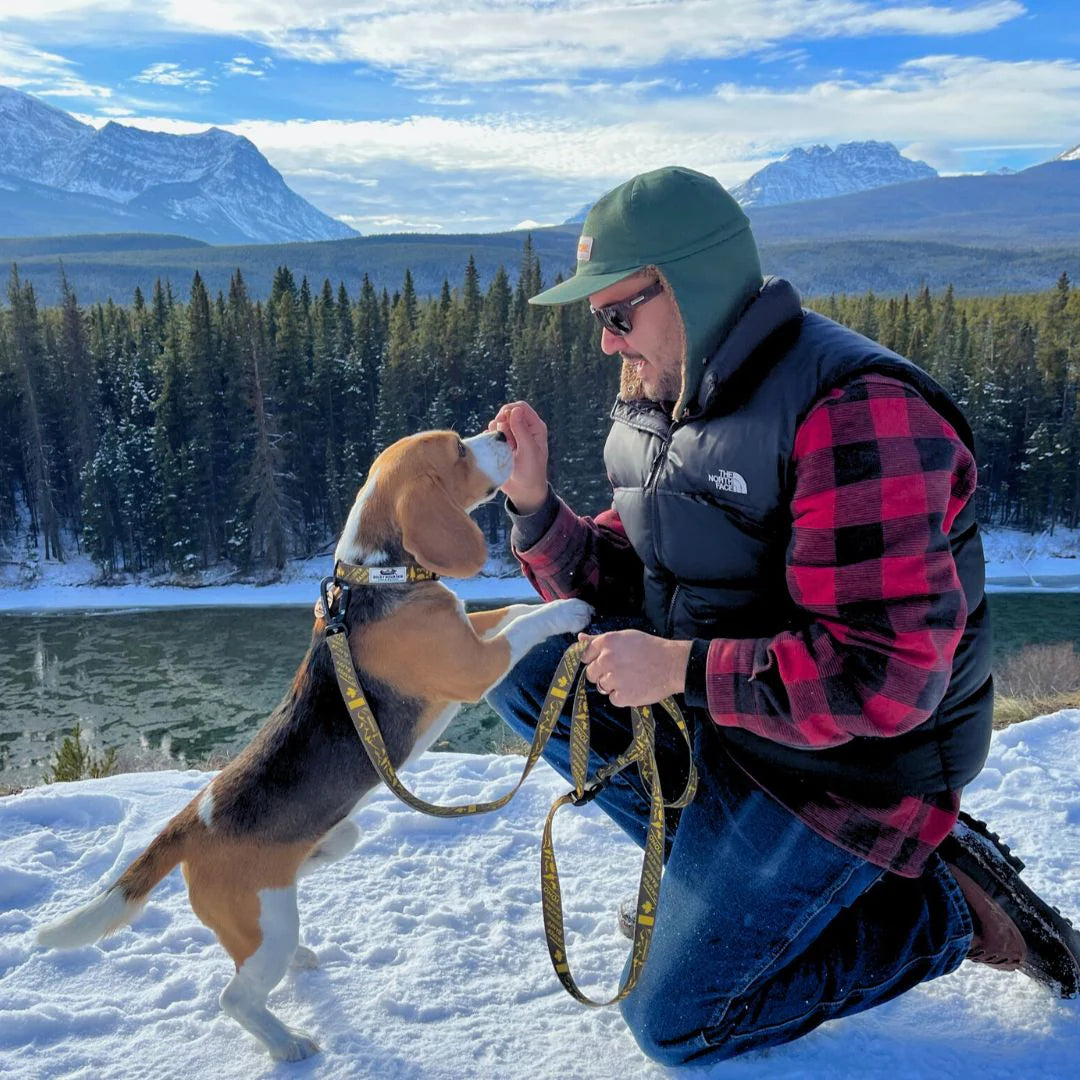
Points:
(570, 615)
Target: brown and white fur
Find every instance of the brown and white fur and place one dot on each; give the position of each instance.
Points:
(280, 808)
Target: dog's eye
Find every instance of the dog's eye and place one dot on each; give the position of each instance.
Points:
(461, 449)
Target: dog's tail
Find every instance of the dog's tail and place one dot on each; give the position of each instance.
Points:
(122, 901)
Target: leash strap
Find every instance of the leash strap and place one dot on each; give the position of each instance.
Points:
(640, 752)
(372, 741)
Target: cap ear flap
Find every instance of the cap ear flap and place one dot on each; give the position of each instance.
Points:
(437, 532)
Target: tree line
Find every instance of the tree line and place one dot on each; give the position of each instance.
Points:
(174, 434)
(1013, 365)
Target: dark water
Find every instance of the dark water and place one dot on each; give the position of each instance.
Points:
(185, 686)
(168, 687)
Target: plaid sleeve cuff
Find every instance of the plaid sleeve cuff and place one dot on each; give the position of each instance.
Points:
(527, 529)
(557, 562)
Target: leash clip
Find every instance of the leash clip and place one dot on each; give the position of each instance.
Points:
(334, 612)
(589, 792)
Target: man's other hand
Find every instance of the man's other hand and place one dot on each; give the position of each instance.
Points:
(635, 668)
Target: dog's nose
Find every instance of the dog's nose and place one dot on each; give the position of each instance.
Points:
(500, 436)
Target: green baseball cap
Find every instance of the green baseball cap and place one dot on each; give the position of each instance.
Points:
(656, 218)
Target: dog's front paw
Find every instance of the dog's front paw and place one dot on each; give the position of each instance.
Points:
(569, 616)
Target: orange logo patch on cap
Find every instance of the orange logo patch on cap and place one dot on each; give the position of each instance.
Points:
(584, 248)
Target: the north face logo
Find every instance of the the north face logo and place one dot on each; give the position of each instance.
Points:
(726, 480)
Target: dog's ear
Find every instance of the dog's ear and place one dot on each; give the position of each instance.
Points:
(437, 532)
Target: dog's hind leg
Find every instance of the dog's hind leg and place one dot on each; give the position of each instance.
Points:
(335, 844)
(277, 931)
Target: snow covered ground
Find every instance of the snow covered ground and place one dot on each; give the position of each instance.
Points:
(1015, 561)
(433, 964)
(75, 584)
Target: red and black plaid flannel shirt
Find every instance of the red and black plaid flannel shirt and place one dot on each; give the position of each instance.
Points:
(879, 479)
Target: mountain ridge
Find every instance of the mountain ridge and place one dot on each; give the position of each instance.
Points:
(213, 185)
(820, 172)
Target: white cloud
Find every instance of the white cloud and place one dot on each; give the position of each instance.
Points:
(487, 40)
(944, 99)
(447, 100)
(493, 171)
(244, 65)
(389, 223)
(948, 160)
(35, 70)
(566, 124)
(169, 74)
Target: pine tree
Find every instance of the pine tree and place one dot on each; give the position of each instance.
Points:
(175, 456)
(209, 434)
(271, 506)
(489, 356)
(27, 352)
(77, 377)
(866, 320)
(327, 399)
(102, 518)
(363, 377)
(12, 477)
(402, 393)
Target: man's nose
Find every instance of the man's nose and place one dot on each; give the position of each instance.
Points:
(609, 342)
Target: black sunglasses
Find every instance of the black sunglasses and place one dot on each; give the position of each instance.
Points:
(616, 317)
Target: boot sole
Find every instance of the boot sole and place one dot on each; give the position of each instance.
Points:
(1044, 928)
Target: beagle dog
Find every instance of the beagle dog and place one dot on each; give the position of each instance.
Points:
(280, 808)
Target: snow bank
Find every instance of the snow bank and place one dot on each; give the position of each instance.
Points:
(1014, 561)
(433, 960)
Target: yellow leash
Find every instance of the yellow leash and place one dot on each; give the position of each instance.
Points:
(640, 752)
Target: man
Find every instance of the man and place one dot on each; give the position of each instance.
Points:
(792, 550)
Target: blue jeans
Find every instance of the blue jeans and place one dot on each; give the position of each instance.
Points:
(765, 929)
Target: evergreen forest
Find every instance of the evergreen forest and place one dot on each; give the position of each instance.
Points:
(178, 433)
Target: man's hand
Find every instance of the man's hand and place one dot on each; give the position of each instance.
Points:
(635, 668)
(527, 435)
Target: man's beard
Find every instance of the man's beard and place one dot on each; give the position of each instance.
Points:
(633, 387)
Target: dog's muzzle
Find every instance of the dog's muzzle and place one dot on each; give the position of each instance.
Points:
(493, 456)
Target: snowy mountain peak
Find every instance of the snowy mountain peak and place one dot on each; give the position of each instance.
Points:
(213, 185)
(1070, 155)
(820, 172)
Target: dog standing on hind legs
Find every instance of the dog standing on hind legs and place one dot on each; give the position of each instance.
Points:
(280, 808)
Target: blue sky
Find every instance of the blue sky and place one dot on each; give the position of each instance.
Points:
(477, 115)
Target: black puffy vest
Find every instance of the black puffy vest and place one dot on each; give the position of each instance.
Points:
(705, 501)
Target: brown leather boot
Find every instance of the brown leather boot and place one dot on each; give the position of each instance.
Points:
(997, 941)
(1014, 928)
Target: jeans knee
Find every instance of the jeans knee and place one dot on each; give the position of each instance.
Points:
(499, 696)
(659, 1027)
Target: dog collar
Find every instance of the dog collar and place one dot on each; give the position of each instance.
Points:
(351, 574)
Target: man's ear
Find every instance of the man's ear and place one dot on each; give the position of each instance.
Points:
(437, 532)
